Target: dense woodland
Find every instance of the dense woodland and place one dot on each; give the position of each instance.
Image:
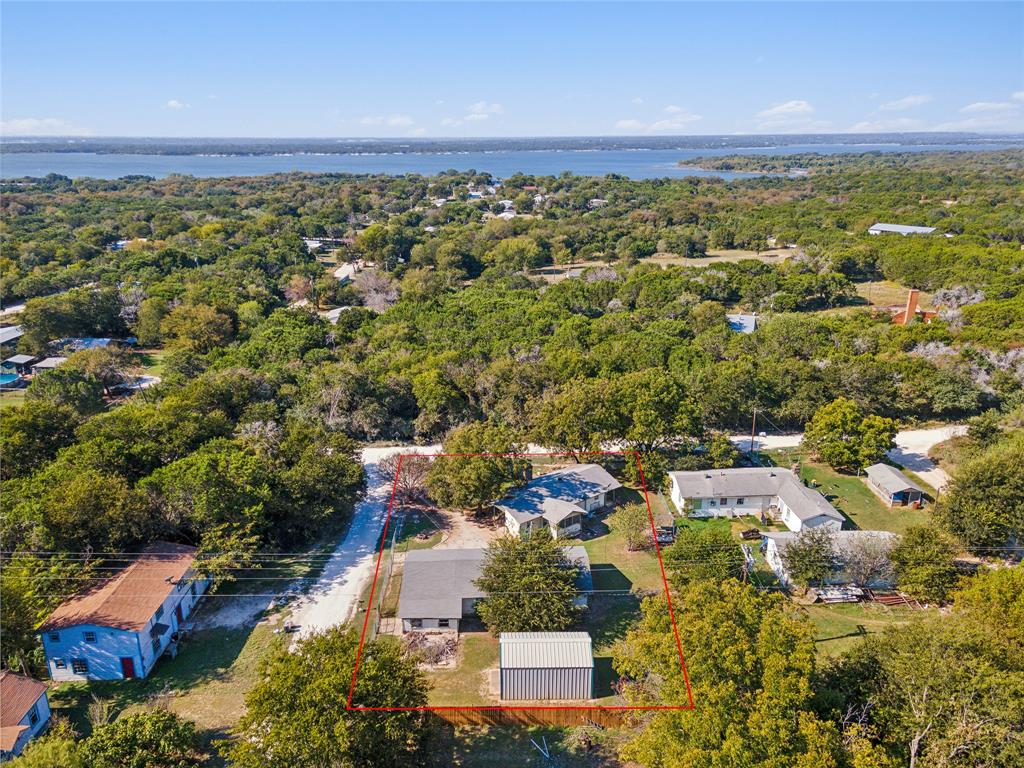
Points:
(250, 442)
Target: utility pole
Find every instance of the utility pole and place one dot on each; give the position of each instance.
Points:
(753, 431)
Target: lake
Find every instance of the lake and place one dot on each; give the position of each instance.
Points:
(634, 163)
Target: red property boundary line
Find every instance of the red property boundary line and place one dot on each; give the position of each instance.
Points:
(592, 708)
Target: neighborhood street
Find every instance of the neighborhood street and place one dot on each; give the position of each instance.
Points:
(911, 451)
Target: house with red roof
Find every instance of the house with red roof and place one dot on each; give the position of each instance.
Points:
(118, 629)
(24, 712)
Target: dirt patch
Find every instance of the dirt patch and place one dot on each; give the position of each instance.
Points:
(463, 532)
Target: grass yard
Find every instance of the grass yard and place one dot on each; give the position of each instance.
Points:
(840, 627)
(151, 361)
(417, 523)
(12, 398)
(502, 746)
(466, 683)
(886, 293)
(851, 496)
(206, 682)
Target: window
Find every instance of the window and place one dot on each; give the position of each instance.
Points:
(55, 637)
(711, 502)
(159, 612)
(60, 664)
(416, 623)
(442, 622)
(80, 666)
(192, 589)
(90, 637)
(724, 502)
(33, 716)
(739, 500)
(156, 645)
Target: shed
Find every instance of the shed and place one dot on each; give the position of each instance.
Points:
(556, 666)
(48, 364)
(20, 364)
(894, 487)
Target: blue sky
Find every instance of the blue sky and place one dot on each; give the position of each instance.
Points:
(495, 69)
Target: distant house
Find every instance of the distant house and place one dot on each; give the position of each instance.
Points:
(844, 543)
(24, 712)
(899, 229)
(558, 500)
(48, 364)
(11, 334)
(742, 323)
(19, 364)
(88, 342)
(118, 629)
(596, 202)
(438, 589)
(546, 666)
(766, 492)
(894, 487)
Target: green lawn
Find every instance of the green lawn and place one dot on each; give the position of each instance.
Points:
(840, 627)
(206, 682)
(11, 399)
(413, 525)
(851, 496)
(151, 361)
(466, 683)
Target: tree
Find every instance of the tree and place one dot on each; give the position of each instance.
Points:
(155, 739)
(578, 418)
(81, 392)
(751, 664)
(530, 585)
(108, 365)
(703, 554)
(467, 480)
(407, 473)
(984, 505)
(296, 715)
(993, 603)
(196, 328)
(57, 748)
(923, 564)
(867, 559)
(842, 436)
(31, 435)
(809, 558)
(633, 522)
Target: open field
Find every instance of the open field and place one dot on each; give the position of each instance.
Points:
(12, 398)
(886, 293)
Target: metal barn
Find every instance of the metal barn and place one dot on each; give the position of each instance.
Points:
(557, 666)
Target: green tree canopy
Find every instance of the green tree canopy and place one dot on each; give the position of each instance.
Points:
(466, 480)
(703, 554)
(844, 437)
(923, 563)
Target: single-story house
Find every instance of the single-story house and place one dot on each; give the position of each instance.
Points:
(767, 492)
(24, 712)
(118, 629)
(894, 487)
(899, 229)
(550, 666)
(48, 364)
(19, 364)
(742, 323)
(10, 334)
(438, 588)
(558, 499)
(844, 543)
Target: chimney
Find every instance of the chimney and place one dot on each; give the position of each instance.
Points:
(911, 311)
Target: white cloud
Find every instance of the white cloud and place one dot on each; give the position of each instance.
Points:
(886, 126)
(787, 109)
(679, 120)
(638, 100)
(475, 113)
(477, 116)
(393, 121)
(175, 104)
(979, 107)
(1017, 96)
(483, 108)
(672, 109)
(907, 102)
(450, 121)
(41, 126)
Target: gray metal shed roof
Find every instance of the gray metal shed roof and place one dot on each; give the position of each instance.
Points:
(890, 479)
(902, 229)
(755, 481)
(50, 362)
(569, 485)
(20, 359)
(10, 333)
(545, 650)
(436, 581)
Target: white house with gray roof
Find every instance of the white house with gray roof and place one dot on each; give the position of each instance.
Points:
(559, 500)
(438, 589)
(874, 547)
(769, 492)
(899, 229)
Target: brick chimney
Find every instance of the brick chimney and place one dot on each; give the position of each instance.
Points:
(911, 309)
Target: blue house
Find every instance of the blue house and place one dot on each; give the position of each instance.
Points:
(24, 712)
(118, 630)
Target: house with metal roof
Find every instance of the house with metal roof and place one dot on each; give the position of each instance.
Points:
(558, 500)
(19, 364)
(899, 229)
(118, 629)
(10, 334)
(845, 546)
(545, 666)
(48, 364)
(24, 712)
(765, 492)
(892, 486)
(742, 323)
(439, 590)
